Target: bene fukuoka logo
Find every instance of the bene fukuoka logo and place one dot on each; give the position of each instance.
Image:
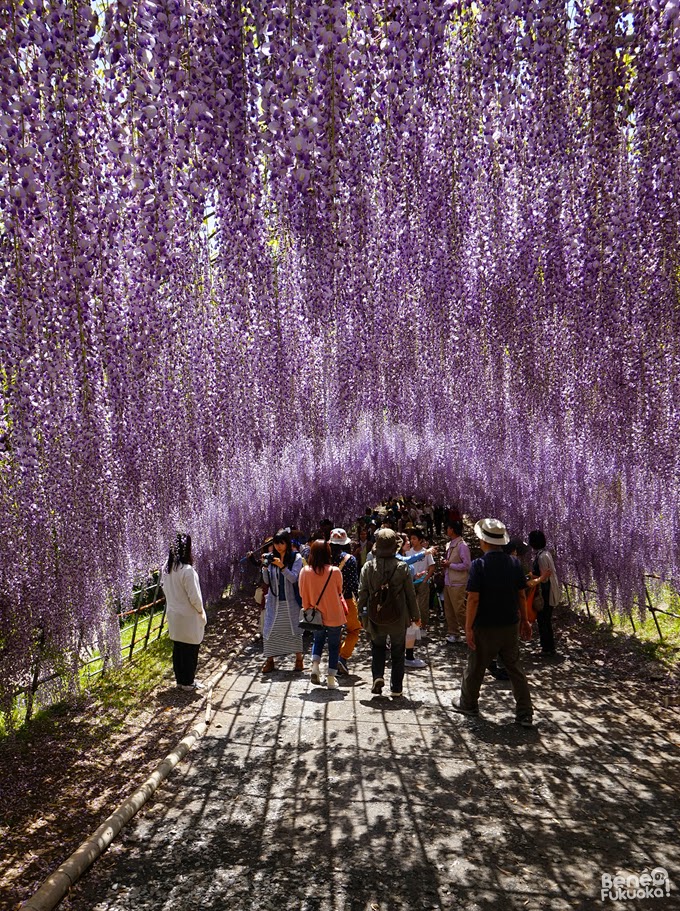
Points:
(628, 887)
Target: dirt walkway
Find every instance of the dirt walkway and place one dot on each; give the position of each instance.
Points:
(304, 798)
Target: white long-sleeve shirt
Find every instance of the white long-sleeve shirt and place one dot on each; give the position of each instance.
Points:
(185, 612)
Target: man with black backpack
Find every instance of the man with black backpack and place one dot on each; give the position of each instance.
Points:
(387, 606)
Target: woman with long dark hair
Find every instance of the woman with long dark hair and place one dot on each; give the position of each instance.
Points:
(321, 587)
(281, 632)
(185, 612)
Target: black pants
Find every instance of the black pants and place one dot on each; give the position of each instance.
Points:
(184, 661)
(545, 630)
(544, 621)
(379, 654)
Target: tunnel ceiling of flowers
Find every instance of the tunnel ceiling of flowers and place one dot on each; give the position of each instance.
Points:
(263, 263)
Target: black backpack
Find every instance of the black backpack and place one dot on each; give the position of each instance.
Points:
(384, 606)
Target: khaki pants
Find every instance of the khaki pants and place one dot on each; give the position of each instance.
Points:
(492, 641)
(423, 601)
(454, 609)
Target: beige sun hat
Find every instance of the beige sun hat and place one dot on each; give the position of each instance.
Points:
(492, 531)
(387, 542)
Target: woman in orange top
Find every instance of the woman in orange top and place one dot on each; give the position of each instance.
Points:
(321, 587)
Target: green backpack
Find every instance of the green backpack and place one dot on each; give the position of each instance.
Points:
(384, 606)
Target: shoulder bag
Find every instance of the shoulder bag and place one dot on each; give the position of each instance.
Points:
(311, 618)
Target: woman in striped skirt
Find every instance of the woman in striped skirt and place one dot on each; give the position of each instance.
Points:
(282, 634)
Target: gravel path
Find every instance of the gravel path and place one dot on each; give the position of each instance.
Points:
(303, 798)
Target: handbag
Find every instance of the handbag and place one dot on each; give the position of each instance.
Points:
(311, 618)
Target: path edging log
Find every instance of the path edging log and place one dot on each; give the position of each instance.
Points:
(55, 887)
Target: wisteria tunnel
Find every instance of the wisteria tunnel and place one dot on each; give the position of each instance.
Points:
(267, 262)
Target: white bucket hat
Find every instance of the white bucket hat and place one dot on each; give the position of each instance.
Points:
(492, 531)
(339, 536)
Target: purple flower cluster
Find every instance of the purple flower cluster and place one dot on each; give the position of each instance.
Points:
(266, 262)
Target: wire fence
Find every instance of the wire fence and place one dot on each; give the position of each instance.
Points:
(584, 591)
(140, 625)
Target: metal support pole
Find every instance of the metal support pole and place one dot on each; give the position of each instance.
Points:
(35, 678)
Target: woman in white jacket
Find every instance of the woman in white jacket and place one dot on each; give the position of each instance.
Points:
(185, 612)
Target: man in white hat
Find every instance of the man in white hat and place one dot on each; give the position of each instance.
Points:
(496, 617)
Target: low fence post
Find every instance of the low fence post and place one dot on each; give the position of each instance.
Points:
(134, 628)
(584, 593)
(651, 608)
(160, 628)
(155, 596)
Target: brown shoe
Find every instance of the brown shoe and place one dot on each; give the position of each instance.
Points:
(268, 666)
(299, 663)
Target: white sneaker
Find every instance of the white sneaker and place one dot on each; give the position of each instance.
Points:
(453, 640)
(331, 682)
(415, 662)
(315, 676)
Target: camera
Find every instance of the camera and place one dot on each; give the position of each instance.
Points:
(268, 559)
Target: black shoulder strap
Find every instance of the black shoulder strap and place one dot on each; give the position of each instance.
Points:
(330, 573)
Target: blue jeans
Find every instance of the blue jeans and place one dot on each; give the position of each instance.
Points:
(333, 633)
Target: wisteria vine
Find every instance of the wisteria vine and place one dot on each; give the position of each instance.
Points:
(263, 262)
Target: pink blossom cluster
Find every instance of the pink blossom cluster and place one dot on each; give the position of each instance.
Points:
(267, 262)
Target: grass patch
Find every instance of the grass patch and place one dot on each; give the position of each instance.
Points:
(642, 635)
(122, 690)
(115, 695)
(666, 650)
(44, 722)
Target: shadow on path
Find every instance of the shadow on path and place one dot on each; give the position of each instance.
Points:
(303, 798)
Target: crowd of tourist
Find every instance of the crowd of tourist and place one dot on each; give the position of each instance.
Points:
(415, 557)
(405, 567)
